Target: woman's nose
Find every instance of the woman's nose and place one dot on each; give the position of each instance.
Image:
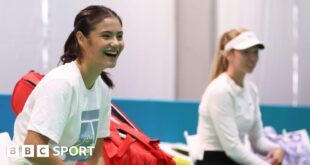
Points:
(115, 41)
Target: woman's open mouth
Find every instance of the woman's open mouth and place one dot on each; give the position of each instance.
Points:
(111, 53)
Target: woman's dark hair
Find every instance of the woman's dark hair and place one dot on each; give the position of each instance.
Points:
(85, 22)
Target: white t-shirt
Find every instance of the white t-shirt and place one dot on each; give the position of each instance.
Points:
(64, 110)
(227, 113)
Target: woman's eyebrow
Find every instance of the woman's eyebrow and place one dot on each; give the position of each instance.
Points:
(111, 32)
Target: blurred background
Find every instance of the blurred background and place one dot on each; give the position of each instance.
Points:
(169, 44)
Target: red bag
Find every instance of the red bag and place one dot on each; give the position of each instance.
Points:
(22, 90)
(127, 145)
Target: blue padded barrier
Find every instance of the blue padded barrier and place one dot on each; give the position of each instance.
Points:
(286, 117)
(167, 120)
(7, 116)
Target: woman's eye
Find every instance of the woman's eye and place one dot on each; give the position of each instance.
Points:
(106, 36)
(245, 52)
(119, 37)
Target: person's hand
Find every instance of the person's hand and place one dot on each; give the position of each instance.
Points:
(276, 156)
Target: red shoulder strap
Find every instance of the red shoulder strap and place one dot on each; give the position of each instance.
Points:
(134, 133)
(33, 77)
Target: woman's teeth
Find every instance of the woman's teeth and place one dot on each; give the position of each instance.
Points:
(111, 54)
(250, 65)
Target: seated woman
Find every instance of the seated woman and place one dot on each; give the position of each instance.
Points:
(229, 109)
(70, 106)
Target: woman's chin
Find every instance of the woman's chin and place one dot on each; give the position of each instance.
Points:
(250, 70)
(110, 65)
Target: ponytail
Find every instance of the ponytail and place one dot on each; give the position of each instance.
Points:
(106, 79)
(71, 49)
(220, 63)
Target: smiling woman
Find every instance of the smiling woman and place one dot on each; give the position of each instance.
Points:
(103, 44)
(229, 109)
(70, 106)
(94, 39)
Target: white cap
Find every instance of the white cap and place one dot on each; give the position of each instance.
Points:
(243, 41)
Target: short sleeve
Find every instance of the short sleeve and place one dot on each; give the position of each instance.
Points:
(51, 109)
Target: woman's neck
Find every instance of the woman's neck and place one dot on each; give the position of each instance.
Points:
(236, 77)
(89, 74)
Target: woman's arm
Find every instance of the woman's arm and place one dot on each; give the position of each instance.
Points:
(276, 156)
(259, 142)
(34, 138)
(97, 157)
(263, 145)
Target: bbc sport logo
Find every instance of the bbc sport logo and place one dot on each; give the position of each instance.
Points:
(15, 151)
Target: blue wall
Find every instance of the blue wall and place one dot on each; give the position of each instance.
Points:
(7, 116)
(167, 120)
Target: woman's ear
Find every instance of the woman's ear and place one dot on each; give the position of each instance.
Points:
(81, 38)
(228, 54)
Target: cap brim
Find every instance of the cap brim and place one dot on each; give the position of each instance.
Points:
(249, 43)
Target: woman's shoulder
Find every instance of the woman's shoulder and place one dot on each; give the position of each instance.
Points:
(66, 73)
(221, 88)
(252, 87)
(219, 84)
(104, 88)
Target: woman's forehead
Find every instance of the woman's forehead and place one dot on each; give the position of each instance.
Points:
(109, 23)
